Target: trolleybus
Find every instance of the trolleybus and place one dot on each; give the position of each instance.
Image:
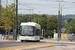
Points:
(29, 31)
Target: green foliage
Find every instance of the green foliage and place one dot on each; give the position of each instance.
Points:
(43, 15)
(71, 26)
(7, 16)
(69, 20)
(42, 21)
(35, 20)
(49, 33)
(52, 24)
(10, 39)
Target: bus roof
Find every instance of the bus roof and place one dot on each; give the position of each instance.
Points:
(30, 24)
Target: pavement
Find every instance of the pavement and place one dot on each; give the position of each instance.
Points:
(27, 46)
(49, 45)
(55, 40)
(57, 48)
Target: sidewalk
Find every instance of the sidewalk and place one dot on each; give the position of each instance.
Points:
(57, 48)
(56, 41)
(7, 40)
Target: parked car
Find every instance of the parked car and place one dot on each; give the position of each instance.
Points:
(41, 37)
(72, 38)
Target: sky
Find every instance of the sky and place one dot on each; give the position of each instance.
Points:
(50, 7)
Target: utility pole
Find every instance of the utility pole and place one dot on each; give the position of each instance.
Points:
(14, 17)
(34, 15)
(42, 32)
(7, 2)
(30, 16)
(38, 17)
(58, 20)
(29, 12)
(14, 1)
(14, 23)
(6, 16)
(61, 21)
(0, 12)
(16, 29)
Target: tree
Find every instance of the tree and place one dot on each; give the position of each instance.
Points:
(71, 26)
(7, 17)
(43, 23)
(43, 15)
(1, 26)
(69, 20)
(52, 23)
(35, 19)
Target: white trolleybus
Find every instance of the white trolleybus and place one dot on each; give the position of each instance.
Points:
(29, 31)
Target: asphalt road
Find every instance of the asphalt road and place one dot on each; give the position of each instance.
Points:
(14, 43)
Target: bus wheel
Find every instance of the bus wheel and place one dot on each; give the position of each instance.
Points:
(38, 41)
(21, 40)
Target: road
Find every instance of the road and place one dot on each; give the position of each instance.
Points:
(14, 43)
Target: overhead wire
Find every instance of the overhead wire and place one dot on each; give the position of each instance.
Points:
(35, 4)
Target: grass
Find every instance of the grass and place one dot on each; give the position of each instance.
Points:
(10, 39)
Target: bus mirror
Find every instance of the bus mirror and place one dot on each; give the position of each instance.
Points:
(19, 27)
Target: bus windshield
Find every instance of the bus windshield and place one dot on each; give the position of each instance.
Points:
(27, 30)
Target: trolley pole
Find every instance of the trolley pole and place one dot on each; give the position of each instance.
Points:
(60, 21)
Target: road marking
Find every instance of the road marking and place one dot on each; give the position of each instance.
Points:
(28, 46)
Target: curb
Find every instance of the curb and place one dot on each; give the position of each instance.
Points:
(60, 42)
(6, 40)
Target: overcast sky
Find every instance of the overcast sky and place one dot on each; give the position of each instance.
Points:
(50, 7)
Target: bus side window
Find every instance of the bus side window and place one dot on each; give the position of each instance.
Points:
(37, 32)
(20, 29)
